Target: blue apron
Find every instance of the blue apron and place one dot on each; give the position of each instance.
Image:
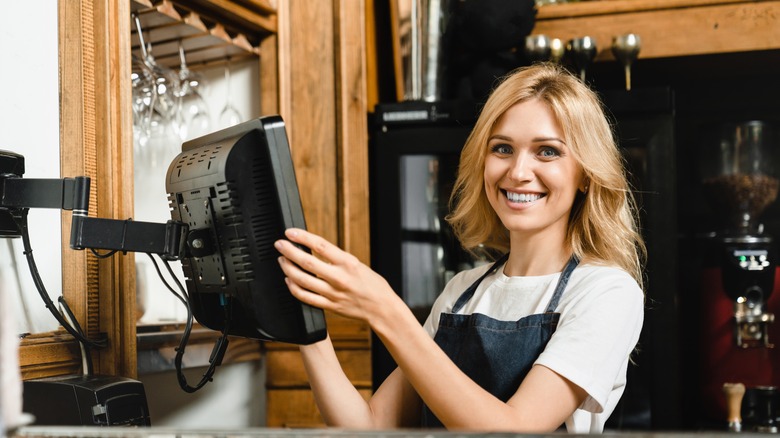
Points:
(497, 355)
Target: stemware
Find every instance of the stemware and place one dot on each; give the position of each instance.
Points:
(537, 48)
(142, 99)
(192, 115)
(582, 52)
(158, 120)
(626, 50)
(557, 50)
(229, 115)
(165, 80)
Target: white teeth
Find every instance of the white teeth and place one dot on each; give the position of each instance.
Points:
(522, 197)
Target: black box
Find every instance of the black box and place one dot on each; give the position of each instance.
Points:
(86, 401)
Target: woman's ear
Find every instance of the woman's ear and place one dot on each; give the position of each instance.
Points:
(584, 185)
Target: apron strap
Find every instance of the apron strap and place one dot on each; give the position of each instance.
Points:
(562, 282)
(466, 296)
(559, 288)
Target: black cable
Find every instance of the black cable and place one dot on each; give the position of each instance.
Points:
(21, 222)
(220, 346)
(102, 256)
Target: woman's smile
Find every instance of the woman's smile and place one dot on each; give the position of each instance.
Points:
(522, 198)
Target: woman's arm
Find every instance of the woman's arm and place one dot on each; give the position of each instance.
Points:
(338, 282)
(395, 403)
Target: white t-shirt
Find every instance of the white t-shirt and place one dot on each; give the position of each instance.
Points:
(602, 310)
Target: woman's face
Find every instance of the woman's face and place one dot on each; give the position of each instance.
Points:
(531, 178)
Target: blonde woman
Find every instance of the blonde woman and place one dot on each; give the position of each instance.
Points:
(537, 340)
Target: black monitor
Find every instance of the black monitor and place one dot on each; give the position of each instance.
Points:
(236, 191)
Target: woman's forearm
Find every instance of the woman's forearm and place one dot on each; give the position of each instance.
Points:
(339, 403)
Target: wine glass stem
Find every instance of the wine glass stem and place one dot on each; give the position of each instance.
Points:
(227, 84)
(627, 67)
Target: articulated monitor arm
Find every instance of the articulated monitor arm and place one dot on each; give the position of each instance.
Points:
(17, 194)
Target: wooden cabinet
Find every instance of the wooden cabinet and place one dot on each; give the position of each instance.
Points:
(668, 28)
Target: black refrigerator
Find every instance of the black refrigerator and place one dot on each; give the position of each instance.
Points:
(414, 153)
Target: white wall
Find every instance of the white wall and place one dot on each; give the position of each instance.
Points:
(234, 400)
(29, 125)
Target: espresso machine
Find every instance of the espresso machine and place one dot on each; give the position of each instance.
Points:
(738, 334)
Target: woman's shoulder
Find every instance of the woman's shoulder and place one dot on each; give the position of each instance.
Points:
(605, 280)
(595, 271)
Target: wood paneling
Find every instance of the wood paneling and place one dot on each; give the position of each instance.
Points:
(668, 28)
(113, 134)
(322, 97)
(311, 120)
(285, 369)
(352, 125)
(296, 409)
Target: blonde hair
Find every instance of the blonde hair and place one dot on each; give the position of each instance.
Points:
(603, 222)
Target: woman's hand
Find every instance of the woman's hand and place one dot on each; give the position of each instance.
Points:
(334, 280)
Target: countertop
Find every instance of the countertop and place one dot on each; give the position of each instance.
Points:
(156, 432)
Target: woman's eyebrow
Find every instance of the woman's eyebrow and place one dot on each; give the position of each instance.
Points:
(499, 137)
(545, 139)
(535, 140)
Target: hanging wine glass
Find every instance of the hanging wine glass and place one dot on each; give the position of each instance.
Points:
(162, 138)
(142, 99)
(192, 115)
(229, 115)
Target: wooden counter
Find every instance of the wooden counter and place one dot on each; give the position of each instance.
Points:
(126, 432)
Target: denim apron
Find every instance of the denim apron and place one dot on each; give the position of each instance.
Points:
(497, 355)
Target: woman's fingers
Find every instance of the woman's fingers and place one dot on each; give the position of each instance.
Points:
(303, 259)
(308, 297)
(318, 245)
(302, 278)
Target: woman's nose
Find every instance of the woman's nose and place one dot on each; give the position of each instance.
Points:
(521, 168)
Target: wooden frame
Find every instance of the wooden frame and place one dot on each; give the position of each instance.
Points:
(95, 140)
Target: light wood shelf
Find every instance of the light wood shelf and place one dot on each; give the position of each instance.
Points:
(668, 28)
(208, 33)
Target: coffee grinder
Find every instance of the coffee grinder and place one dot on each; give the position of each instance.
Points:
(740, 180)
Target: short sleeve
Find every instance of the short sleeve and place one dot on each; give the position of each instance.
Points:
(599, 328)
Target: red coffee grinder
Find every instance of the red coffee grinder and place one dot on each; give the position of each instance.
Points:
(738, 297)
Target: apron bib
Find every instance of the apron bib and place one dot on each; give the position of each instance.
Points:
(497, 355)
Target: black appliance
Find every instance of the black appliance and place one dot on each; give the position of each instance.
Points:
(644, 123)
(86, 401)
(414, 153)
(236, 191)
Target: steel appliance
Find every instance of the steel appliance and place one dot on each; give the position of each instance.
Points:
(739, 176)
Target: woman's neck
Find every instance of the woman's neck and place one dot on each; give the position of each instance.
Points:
(537, 254)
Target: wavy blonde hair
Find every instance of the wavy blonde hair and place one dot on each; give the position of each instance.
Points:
(603, 225)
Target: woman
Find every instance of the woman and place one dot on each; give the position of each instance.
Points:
(540, 338)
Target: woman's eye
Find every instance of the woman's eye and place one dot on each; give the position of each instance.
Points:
(549, 152)
(501, 149)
